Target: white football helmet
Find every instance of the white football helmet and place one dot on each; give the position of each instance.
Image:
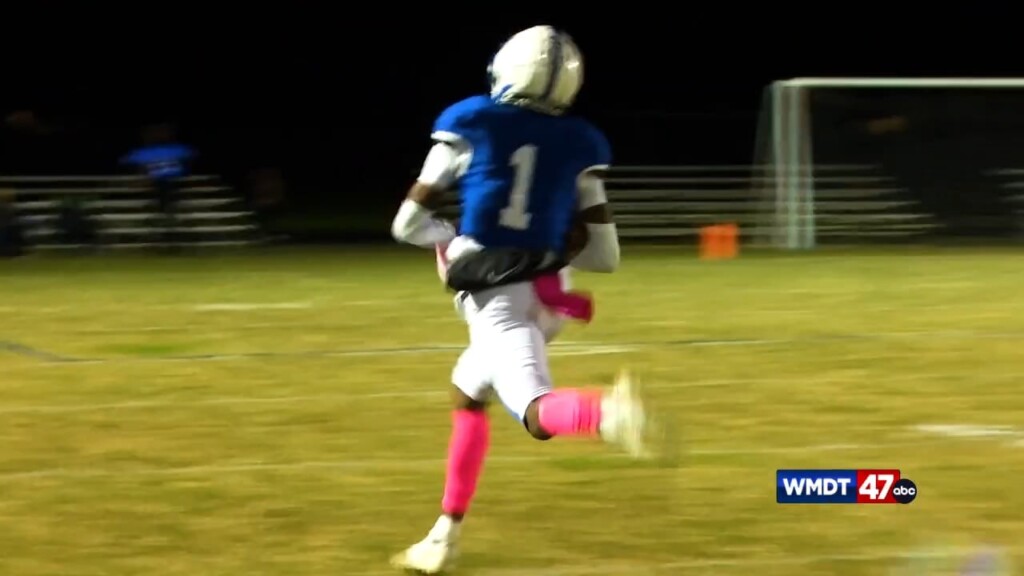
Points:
(538, 67)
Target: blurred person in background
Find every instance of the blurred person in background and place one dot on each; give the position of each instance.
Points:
(164, 161)
(75, 225)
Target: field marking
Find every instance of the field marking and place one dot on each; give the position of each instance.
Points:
(215, 306)
(556, 349)
(192, 328)
(967, 430)
(220, 468)
(1014, 436)
(668, 323)
(23, 350)
(589, 350)
(441, 391)
(248, 306)
(634, 345)
(606, 567)
(942, 285)
(217, 401)
(611, 567)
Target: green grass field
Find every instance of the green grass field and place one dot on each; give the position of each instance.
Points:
(285, 413)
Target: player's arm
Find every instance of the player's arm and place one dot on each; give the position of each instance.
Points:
(601, 252)
(415, 222)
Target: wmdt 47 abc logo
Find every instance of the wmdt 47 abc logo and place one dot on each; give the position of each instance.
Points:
(844, 487)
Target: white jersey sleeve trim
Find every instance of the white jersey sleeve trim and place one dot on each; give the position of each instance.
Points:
(444, 165)
(590, 189)
(448, 138)
(440, 167)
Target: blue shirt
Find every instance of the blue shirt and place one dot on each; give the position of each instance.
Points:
(161, 160)
(519, 187)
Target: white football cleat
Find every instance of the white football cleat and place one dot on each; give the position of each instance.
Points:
(624, 420)
(435, 553)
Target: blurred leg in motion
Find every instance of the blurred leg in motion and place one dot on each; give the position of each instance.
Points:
(507, 355)
(167, 200)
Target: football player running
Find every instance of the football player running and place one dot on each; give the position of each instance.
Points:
(525, 172)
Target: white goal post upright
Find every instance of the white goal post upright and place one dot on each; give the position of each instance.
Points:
(789, 170)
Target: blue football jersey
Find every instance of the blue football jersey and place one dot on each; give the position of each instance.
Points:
(519, 187)
(161, 160)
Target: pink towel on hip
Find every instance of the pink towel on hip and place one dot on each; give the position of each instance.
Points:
(575, 305)
(572, 304)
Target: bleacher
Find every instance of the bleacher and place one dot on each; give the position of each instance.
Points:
(662, 203)
(1011, 182)
(125, 213)
(861, 203)
(853, 203)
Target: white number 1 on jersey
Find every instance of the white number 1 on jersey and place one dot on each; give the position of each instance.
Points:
(515, 215)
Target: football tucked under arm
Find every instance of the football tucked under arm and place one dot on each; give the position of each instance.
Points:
(578, 237)
(415, 222)
(593, 239)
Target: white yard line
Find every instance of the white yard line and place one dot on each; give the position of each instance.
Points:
(589, 350)
(436, 391)
(1011, 436)
(217, 401)
(192, 328)
(942, 285)
(968, 430)
(904, 559)
(249, 306)
(220, 468)
(624, 347)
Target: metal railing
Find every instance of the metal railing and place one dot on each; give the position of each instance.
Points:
(125, 212)
(672, 203)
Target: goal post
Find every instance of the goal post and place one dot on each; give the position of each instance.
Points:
(782, 170)
(889, 158)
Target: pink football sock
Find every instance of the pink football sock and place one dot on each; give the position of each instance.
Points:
(571, 412)
(471, 435)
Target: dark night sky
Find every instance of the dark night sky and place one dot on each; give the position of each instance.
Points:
(341, 96)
